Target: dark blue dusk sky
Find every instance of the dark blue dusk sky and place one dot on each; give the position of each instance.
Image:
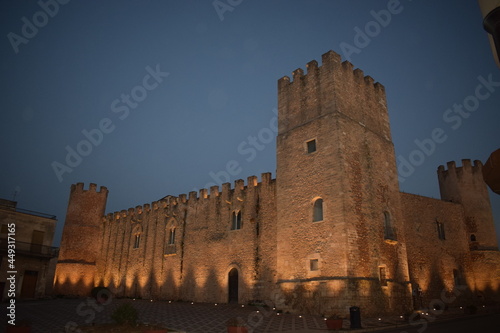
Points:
(71, 74)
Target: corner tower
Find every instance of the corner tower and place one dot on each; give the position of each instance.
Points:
(339, 231)
(465, 185)
(81, 240)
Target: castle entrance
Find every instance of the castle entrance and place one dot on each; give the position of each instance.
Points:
(232, 286)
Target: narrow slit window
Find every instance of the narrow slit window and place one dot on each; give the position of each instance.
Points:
(318, 210)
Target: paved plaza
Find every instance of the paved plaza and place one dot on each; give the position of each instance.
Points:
(66, 315)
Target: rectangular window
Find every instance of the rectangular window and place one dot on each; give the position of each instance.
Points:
(311, 146)
(313, 264)
(382, 275)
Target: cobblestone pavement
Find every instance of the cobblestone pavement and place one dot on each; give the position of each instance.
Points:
(53, 316)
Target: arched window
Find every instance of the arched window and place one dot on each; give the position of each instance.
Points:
(236, 221)
(318, 210)
(472, 238)
(171, 236)
(137, 231)
(388, 227)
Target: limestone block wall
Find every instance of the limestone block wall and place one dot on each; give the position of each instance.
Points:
(437, 264)
(465, 185)
(486, 270)
(139, 258)
(353, 170)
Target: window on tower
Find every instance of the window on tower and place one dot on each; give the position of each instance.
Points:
(318, 210)
(388, 227)
(311, 146)
(313, 264)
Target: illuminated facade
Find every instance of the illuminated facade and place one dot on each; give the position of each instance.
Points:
(331, 231)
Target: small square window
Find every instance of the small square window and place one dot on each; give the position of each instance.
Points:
(311, 146)
(314, 265)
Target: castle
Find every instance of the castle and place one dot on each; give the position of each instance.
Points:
(332, 230)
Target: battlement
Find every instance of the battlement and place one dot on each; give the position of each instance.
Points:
(331, 63)
(467, 169)
(78, 188)
(237, 192)
(335, 86)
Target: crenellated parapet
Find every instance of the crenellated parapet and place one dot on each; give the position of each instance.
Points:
(225, 194)
(79, 188)
(467, 169)
(335, 86)
(453, 180)
(465, 185)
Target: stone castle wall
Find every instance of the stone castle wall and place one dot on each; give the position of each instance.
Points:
(371, 247)
(196, 266)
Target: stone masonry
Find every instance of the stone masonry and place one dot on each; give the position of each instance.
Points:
(331, 231)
